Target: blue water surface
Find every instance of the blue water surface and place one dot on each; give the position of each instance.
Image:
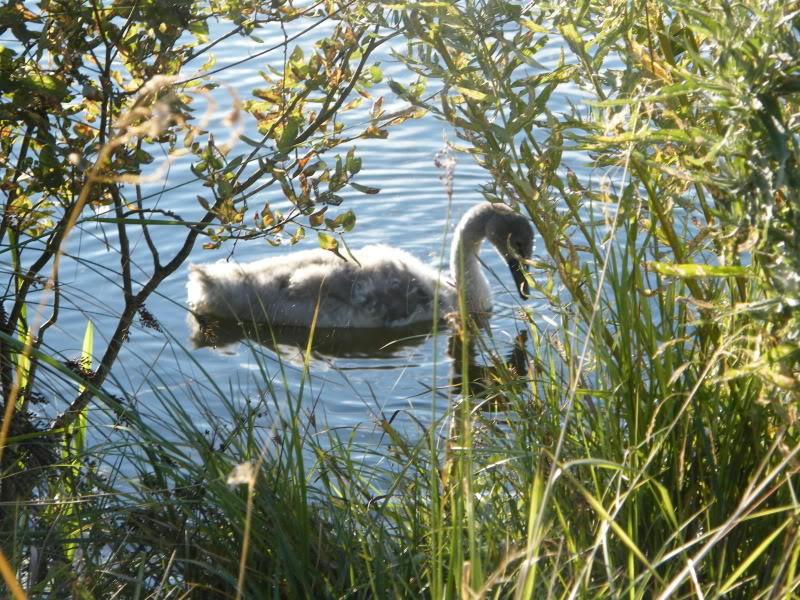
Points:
(411, 212)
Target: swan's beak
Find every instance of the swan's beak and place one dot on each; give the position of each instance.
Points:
(518, 272)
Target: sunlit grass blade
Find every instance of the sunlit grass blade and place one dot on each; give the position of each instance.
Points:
(73, 450)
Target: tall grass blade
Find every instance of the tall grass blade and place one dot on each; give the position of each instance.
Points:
(73, 451)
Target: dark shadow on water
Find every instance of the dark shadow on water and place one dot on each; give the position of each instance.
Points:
(209, 332)
(489, 382)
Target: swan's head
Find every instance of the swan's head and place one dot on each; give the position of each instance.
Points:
(512, 235)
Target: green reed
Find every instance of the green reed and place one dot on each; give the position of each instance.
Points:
(642, 444)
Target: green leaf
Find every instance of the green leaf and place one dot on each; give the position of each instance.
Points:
(46, 85)
(474, 94)
(88, 343)
(298, 235)
(570, 33)
(327, 242)
(297, 56)
(668, 91)
(224, 189)
(251, 142)
(364, 189)
(692, 271)
(75, 433)
(289, 134)
(353, 164)
(346, 221)
(338, 173)
(667, 135)
(666, 505)
(533, 26)
(199, 30)
(210, 62)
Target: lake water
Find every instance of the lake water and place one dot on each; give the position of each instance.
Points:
(343, 391)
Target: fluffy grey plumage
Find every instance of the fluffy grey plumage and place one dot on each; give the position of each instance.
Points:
(387, 287)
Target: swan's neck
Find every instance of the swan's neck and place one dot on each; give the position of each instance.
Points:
(465, 266)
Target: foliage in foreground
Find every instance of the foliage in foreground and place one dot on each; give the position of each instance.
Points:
(100, 99)
(96, 103)
(649, 446)
(675, 277)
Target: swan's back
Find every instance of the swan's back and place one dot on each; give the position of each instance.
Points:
(387, 287)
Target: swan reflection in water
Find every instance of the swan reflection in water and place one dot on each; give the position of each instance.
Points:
(290, 343)
(374, 342)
